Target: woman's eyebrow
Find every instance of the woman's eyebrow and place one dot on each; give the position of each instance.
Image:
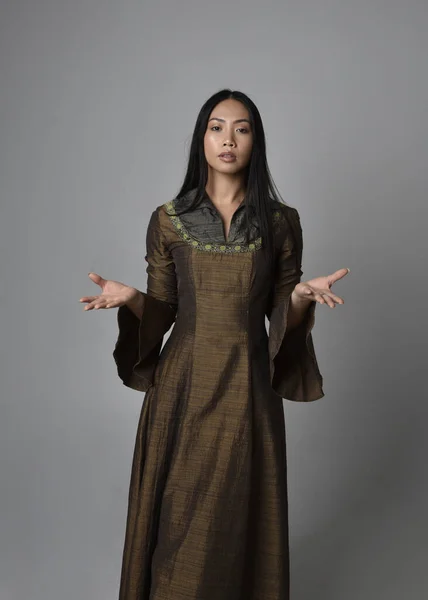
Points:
(223, 121)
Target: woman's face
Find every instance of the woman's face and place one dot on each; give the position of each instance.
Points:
(228, 130)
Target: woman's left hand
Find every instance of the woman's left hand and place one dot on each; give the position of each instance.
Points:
(319, 289)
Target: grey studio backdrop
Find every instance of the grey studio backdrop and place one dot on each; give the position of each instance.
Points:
(97, 101)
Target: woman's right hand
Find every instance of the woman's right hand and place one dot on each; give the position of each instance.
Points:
(113, 294)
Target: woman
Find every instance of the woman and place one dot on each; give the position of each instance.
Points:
(207, 513)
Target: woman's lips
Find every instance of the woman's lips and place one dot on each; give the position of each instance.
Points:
(227, 157)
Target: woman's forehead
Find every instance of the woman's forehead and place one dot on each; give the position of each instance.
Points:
(230, 109)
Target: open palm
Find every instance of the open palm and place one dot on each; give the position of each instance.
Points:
(113, 293)
(319, 288)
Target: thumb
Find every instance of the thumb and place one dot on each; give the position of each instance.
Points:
(338, 275)
(96, 279)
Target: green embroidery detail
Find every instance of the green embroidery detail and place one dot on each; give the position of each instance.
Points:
(213, 247)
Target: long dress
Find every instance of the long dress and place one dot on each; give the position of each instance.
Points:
(208, 511)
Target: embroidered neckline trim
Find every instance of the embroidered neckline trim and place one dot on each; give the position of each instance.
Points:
(210, 247)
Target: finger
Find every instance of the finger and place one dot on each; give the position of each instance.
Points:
(90, 306)
(334, 297)
(100, 305)
(319, 298)
(337, 275)
(95, 304)
(88, 298)
(96, 279)
(328, 300)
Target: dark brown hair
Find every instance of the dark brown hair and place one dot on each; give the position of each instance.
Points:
(260, 187)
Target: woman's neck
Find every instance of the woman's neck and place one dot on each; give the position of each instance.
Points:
(225, 189)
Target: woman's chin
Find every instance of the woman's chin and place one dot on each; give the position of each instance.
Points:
(227, 168)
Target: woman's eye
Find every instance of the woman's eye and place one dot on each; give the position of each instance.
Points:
(242, 129)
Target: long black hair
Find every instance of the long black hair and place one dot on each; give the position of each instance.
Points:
(260, 187)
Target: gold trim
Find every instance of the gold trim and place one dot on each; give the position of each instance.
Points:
(225, 248)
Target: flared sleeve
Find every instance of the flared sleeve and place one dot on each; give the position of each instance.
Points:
(293, 365)
(139, 342)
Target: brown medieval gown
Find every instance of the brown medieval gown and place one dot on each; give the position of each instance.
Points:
(208, 510)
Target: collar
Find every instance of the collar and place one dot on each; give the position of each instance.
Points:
(207, 202)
